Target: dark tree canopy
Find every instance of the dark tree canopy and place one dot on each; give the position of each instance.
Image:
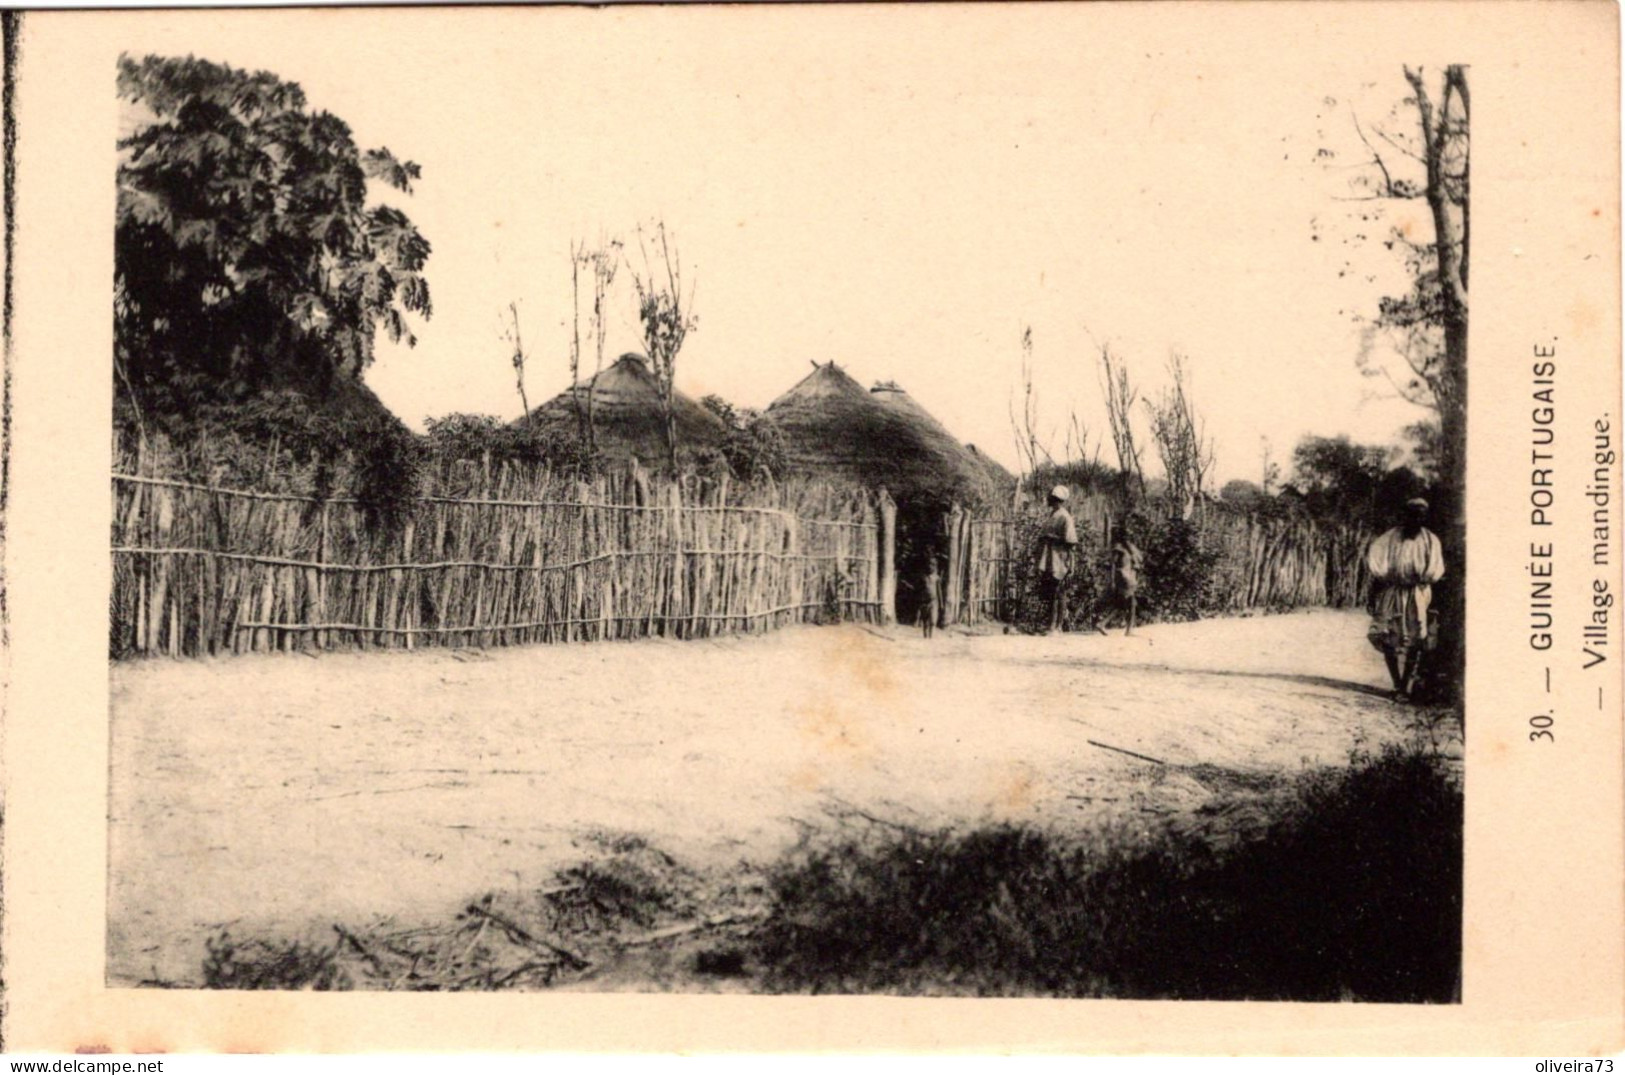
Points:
(247, 259)
(1333, 462)
(1242, 493)
(722, 409)
(1352, 482)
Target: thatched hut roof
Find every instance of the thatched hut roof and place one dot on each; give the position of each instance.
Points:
(994, 470)
(833, 426)
(626, 414)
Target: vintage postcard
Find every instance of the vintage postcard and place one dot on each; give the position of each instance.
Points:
(830, 527)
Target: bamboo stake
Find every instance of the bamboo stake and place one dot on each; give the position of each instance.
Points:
(888, 559)
(403, 608)
(319, 579)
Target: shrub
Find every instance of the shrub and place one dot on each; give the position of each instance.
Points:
(1183, 576)
(489, 442)
(260, 964)
(1354, 892)
(1180, 580)
(635, 886)
(279, 441)
(388, 473)
(755, 446)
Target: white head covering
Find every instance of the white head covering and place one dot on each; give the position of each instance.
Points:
(1061, 492)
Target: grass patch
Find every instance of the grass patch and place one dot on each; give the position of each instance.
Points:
(1352, 893)
(634, 886)
(1345, 884)
(517, 940)
(255, 963)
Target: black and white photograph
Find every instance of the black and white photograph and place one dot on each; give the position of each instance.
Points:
(536, 569)
(843, 506)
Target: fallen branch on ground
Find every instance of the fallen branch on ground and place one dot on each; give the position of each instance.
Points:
(717, 922)
(523, 936)
(346, 937)
(1120, 750)
(846, 809)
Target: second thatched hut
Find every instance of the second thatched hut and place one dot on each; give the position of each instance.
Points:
(881, 437)
(623, 405)
(834, 427)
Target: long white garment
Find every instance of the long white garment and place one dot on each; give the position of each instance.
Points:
(1405, 569)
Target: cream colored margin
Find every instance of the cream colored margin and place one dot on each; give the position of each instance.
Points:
(1545, 898)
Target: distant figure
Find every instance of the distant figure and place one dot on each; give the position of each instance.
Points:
(1055, 544)
(1127, 563)
(1405, 562)
(931, 597)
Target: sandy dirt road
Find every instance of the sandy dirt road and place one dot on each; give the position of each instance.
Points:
(282, 793)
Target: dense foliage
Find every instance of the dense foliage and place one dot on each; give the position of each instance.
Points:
(754, 447)
(1337, 478)
(247, 258)
(1182, 582)
(490, 441)
(1083, 592)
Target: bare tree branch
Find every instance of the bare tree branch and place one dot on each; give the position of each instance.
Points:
(602, 260)
(1179, 434)
(577, 255)
(1403, 148)
(1387, 179)
(666, 312)
(1433, 137)
(1377, 198)
(1029, 445)
(1455, 89)
(1121, 396)
(518, 358)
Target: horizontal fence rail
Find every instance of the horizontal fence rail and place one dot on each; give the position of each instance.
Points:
(587, 505)
(528, 557)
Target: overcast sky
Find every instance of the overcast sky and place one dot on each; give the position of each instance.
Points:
(897, 192)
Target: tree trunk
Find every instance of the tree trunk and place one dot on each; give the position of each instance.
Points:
(1450, 252)
(671, 432)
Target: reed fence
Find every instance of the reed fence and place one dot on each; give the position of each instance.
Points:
(1288, 563)
(518, 556)
(1261, 562)
(984, 554)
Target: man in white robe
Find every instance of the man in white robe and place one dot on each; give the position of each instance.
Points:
(1405, 562)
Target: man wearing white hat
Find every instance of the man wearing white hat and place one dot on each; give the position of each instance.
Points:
(1055, 544)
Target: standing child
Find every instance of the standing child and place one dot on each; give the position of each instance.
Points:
(931, 597)
(1127, 564)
